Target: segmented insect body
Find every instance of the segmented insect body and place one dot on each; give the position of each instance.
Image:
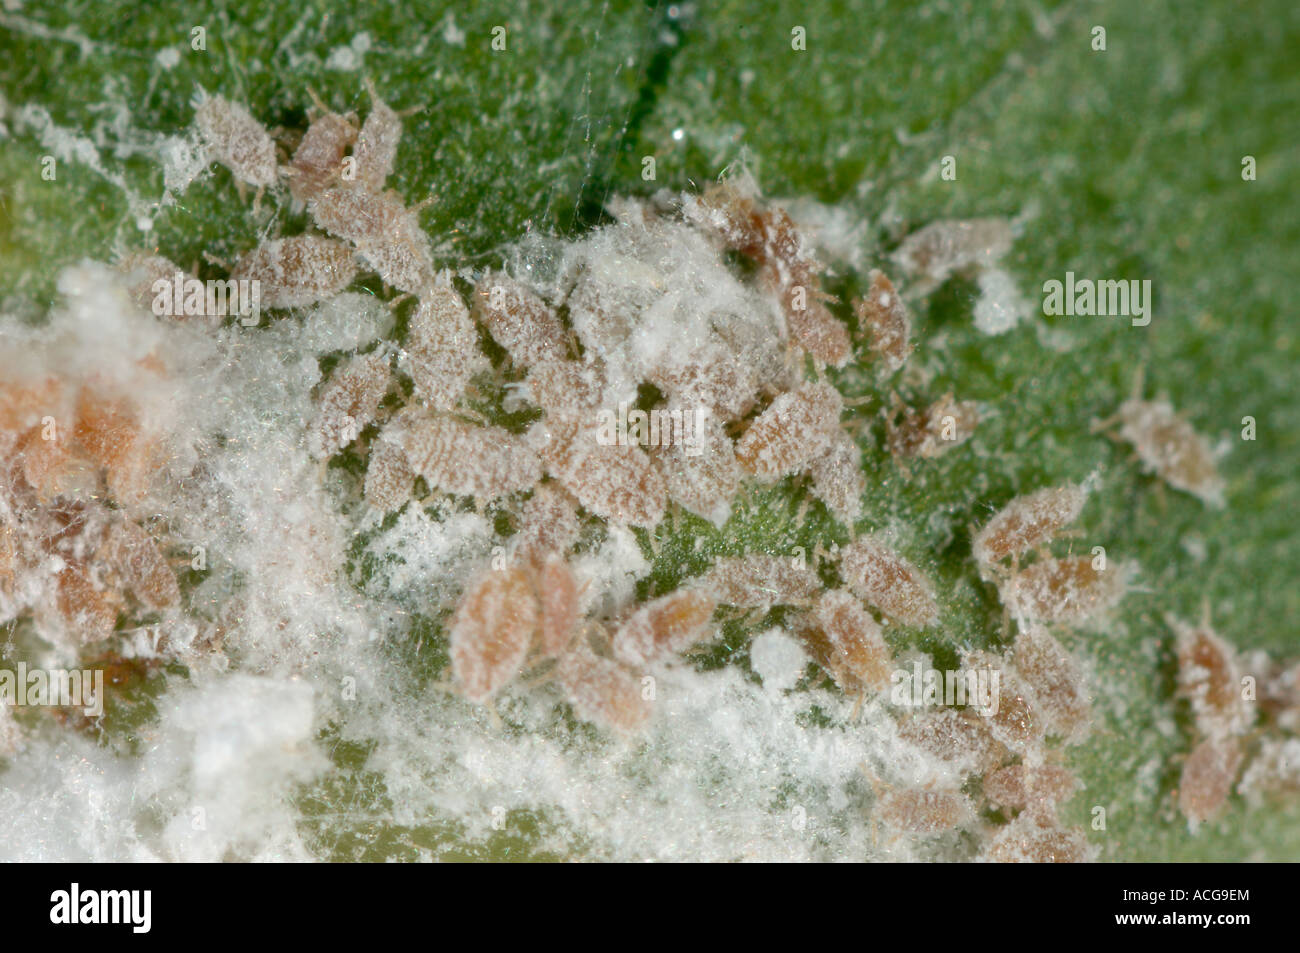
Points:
(389, 477)
(956, 736)
(1072, 589)
(492, 631)
(945, 424)
(793, 431)
(89, 610)
(566, 388)
(1016, 723)
(142, 568)
(616, 482)
(385, 232)
(1168, 446)
(920, 811)
(548, 523)
(1028, 841)
(664, 626)
(318, 161)
(237, 140)
(1027, 522)
(1036, 789)
(376, 150)
(703, 482)
(886, 580)
(602, 691)
(807, 319)
(859, 653)
(442, 352)
(558, 605)
(520, 321)
(299, 271)
(143, 270)
(108, 433)
(1208, 774)
(944, 248)
(760, 581)
(1059, 687)
(1209, 677)
(884, 317)
(348, 403)
(711, 376)
(838, 479)
(483, 462)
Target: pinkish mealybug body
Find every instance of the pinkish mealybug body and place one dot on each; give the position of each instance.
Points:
(143, 569)
(925, 434)
(664, 626)
(703, 479)
(943, 248)
(1036, 789)
(237, 140)
(483, 462)
(920, 811)
(1057, 681)
(1027, 840)
(889, 582)
(376, 148)
(859, 655)
(602, 691)
(1208, 775)
(520, 321)
(760, 581)
(793, 431)
(558, 606)
(617, 482)
(884, 317)
(318, 161)
(442, 352)
(299, 271)
(838, 479)
(1027, 522)
(1209, 677)
(1168, 446)
(348, 403)
(956, 736)
(385, 232)
(389, 477)
(1073, 589)
(492, 631)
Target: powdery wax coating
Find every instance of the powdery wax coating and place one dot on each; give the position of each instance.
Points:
(1072, 589)
(761, 581)
(795, 429)
(442, 352)
(386, 234)
(665, 626)
(859, 654)
(1017, 722)
(1027, 841)
(558, 605)
(1207, 778)
(237, 140)
(492, 631)
(703, 482)
(547, 523)
(348, 403)
(520, 321)
(884, 317)
(957, 736)
(1028, 521)
(483, 462)
(376, 148)
(1036, 789)
(889, 582)
(1168, 446)
(299, 271)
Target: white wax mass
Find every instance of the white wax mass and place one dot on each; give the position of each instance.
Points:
(778, 659)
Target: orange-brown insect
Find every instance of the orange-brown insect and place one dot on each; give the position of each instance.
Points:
(389, 477)
(838, 479)
(1209, 677)
(664, 626)
(945, 424)
(793, 431)
(1027, 522)
(297, 272)
(483, 462)
(89, 610)
(859, 655)
(566, 388)
(1027, 841)
(1073, 589)
(1208, 774)
(921, 811)
(760, 581)
(557, 602)
(616, 482)
(710, 375)
(318, 161)
(602, 691)
(703, 482)
(1017, 722)
(520, 321)
(1035, 789)
(492, 631)
(1057, 681)
(883, 315)
(135, 557)
(376, 149)
(548, 523)
(889, 582)
(348, 403)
